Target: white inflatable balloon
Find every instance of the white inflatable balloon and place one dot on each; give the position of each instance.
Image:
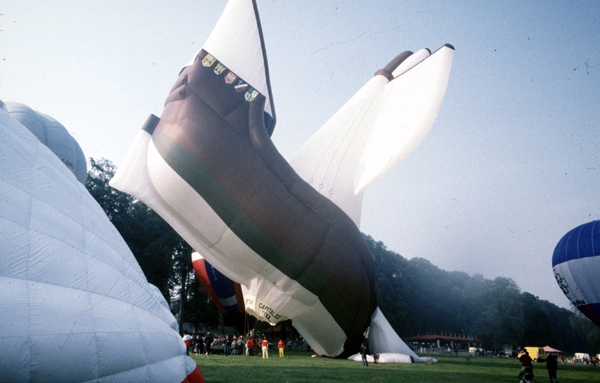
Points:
(74, 304)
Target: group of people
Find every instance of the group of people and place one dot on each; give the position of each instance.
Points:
(264, 347)
(251, 345)
(526, 375)
(198, 344)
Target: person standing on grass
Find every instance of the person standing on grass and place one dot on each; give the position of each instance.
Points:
(265, 348)
(280, 345)
(375, 357)
(208, 343)
(363, 354)
(226, 345)
(240, 345)
(249, 346)
(552, 366)
(233, 345)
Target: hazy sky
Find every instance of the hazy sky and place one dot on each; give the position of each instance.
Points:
(511, 164)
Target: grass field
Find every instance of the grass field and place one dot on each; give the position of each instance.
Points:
(300, 367)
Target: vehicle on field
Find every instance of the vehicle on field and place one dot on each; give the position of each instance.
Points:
(537, 354)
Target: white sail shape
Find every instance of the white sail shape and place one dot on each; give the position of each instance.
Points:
(376, 129)
(384, 340)
(411, 61)
(329, 159)
(412, 103)
(236, 41)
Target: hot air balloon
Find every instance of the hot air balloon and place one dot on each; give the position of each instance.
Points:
(52, 134)
(209, 168)
(75, 304)
(576, 266)
(224, 292)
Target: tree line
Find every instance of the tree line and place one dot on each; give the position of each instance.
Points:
(419, 298)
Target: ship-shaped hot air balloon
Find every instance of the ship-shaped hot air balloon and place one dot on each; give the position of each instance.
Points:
(288, 233)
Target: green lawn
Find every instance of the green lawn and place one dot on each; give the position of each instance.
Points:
(300, 367)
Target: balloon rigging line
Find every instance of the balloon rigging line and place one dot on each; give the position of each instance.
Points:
(340, 43)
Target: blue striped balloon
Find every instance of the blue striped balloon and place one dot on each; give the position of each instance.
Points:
(576, 266)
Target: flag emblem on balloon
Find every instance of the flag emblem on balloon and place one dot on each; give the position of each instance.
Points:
(251, 94)
(219, 68)
(230, 78)
(241, 87)
(208, 60)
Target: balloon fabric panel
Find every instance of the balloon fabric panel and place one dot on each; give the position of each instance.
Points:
(592, 311)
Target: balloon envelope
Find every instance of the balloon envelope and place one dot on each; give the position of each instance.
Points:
(209, 168)
(52, 134)
(75, 304)
(576, 266)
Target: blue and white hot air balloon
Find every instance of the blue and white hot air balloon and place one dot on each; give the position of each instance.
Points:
(576, 266)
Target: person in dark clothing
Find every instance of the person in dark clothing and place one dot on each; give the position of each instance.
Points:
(363, 354)
(525, 360)
(552, 366)
(208, 342)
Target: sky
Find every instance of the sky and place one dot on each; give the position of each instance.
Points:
(510, 165)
